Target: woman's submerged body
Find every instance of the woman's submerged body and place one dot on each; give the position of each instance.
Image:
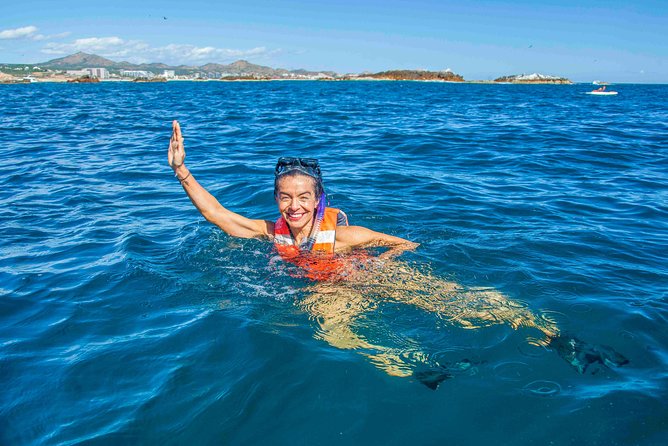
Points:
(347, 283)
(338, 305)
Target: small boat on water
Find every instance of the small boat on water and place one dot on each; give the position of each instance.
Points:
(602, 92)
(600, 83)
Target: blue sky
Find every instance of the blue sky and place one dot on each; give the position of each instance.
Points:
(582, 40)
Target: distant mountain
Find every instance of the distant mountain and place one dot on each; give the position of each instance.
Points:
(534, 78)
(238, 68)
(306, 72)
(242, 67)
(79, 60)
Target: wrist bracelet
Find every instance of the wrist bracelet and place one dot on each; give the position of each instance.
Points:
(184, 178)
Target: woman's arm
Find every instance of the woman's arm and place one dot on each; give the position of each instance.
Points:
(233, 224)
(351, 237)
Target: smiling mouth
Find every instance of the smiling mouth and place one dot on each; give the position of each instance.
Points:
(295, 216)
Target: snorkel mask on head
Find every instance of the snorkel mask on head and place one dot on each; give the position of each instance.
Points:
(307, 166)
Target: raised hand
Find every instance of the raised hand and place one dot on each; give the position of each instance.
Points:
(177, 153)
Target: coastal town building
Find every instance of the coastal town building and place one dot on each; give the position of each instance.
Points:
(77, 73)
(137, 73)
(100, 73)
(169, 74)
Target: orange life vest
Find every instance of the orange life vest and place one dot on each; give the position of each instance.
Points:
(325, 236)
(319, 263)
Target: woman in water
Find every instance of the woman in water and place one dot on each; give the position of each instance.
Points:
(305, 223)
(348, 283)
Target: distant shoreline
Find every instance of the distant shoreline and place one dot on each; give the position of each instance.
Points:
(130, 81)
(83, 67)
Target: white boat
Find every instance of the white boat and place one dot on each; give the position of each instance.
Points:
(603, 93)
(600, 83)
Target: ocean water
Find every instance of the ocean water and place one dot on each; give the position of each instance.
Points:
(125, 318)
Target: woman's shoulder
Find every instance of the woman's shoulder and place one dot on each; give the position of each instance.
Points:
(341, 217)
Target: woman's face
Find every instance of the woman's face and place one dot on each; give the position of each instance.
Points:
(296, 200)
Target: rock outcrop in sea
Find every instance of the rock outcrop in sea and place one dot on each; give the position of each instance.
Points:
(534, 78)
(9, 79)
(153, 79)
(415, 75)
(84, 80)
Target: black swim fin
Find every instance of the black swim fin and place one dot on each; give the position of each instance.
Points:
(432, 377)
(582, 356)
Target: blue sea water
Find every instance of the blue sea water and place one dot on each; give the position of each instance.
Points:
(125, 318)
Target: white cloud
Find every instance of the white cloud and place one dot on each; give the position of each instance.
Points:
(103, 46)
(138, 51)
(51, 36)
(192, 53)
(29, 32)
(18, 33)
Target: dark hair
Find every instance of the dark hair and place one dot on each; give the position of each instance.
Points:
(317, 184)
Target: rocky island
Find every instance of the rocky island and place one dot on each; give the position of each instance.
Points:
(414, 75)
(9, 79)
(534, 78)
(84, 80)
(150, 79)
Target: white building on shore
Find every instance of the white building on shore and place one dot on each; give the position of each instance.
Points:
(100, 73)
(137, 73)
(77, 73)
